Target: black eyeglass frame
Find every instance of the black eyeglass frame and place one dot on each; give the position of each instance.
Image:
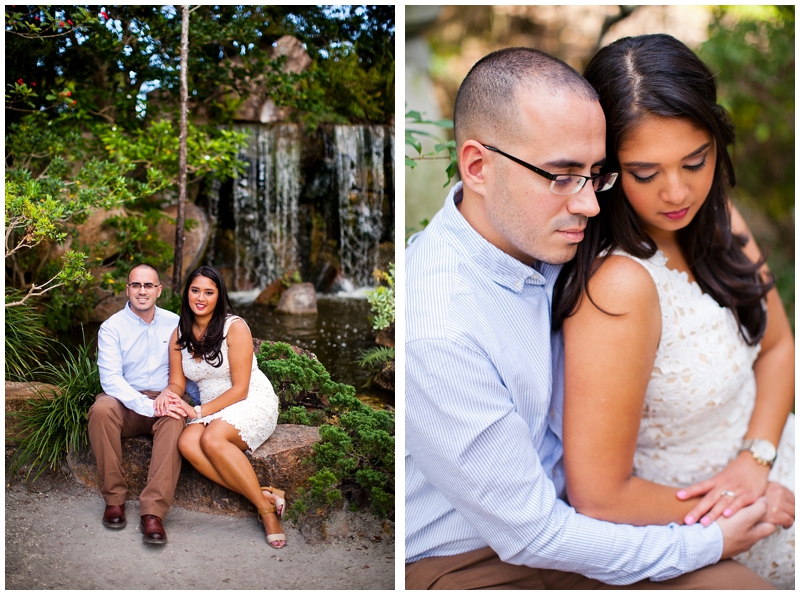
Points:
(553, 177)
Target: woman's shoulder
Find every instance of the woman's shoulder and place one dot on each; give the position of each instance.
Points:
(236, 327)
(622, 282)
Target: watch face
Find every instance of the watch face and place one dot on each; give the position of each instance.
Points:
(764, 450)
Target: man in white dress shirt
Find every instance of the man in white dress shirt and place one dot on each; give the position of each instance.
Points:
(484, 380)
(133, 358)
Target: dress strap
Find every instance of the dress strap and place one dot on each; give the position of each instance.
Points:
(230, 320)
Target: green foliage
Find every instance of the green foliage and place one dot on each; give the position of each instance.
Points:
(381, 300)
(122, 62)
(298, 380)
(25, 339)
(442, 146)
(377, 357)
(170, 300)
(290, 279)
(751, 52)
(357, 442)
(53, 424)
(300, 416)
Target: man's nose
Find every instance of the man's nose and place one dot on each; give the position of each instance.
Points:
(584, 202)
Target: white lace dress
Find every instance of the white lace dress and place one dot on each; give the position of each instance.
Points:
(698, 405)
(255, 416)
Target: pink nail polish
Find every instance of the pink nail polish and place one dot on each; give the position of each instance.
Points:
(728, 512)
(705, 521)
(689, 520)
(681, 494)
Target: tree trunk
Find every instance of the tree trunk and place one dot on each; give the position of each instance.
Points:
(177, 268)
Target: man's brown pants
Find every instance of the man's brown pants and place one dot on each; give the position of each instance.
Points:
(109, 422)
(483, 569)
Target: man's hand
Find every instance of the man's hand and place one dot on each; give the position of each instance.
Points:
(780, 505)
(741, 531)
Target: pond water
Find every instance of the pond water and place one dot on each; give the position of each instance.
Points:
(337, 336)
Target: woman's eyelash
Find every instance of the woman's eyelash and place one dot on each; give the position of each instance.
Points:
(646, 180)
(697, 167)
(692, 168)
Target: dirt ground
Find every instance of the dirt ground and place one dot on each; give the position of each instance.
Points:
(55, 540)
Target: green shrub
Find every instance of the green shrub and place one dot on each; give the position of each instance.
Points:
(26, 340)
(382, 300)
(357, 442)
(54, 424)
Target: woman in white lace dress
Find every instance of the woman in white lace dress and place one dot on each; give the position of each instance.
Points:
(679, 367)
(239, 408)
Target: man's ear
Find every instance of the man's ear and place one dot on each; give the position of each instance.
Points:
(472, 166)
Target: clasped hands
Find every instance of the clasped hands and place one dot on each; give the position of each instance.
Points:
(171, 404)
(740, 484)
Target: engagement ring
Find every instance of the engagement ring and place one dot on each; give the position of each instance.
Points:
(728, 493)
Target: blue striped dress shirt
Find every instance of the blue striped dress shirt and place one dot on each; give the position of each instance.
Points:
(483, 435)
(133, 356)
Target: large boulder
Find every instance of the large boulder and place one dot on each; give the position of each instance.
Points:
(299, 299)
(258, 107)
(195, 241)
(18, 395)
(278, 462)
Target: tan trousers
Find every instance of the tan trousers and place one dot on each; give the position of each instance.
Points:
(483, 569)
(109, 422)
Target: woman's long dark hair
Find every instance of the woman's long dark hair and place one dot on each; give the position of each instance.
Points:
(210, 344)
(657, 75)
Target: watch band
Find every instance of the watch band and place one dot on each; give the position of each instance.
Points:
(753, 445)
(199, 410)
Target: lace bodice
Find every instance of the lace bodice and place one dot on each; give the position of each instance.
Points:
(212, 381)
(702, 388)
(256, 416)
(698, 404)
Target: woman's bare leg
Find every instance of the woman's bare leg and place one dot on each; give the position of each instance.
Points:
(224, 448)
(189, 445)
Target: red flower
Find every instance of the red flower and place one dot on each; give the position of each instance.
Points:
(35, 18)
(20, 81)
(69, 93)
(33, 84)
(61, 23)
(104, 14)
(70, 23)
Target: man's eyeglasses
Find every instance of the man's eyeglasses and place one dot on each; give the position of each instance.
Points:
(138, 286)
(565, 183)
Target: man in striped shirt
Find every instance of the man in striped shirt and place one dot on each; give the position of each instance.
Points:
(484, 376)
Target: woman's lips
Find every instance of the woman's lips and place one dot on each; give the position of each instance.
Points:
(675, 215)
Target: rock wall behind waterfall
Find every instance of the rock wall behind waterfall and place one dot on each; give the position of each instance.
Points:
(320, 203)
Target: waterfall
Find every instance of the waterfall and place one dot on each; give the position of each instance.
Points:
(360, 181)
(266, 206)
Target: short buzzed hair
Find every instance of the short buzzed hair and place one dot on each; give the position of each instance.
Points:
(488, 95)
(144, 264)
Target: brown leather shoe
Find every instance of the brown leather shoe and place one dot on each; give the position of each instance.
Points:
(114, 516)
(153, 530)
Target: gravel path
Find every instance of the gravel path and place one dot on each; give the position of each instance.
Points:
(55, 540)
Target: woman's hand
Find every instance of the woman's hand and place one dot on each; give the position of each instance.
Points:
(743, 477)
(178, 404)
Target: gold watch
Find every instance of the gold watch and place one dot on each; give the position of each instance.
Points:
(763, 451)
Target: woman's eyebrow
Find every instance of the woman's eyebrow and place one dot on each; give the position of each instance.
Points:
(644, 164)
